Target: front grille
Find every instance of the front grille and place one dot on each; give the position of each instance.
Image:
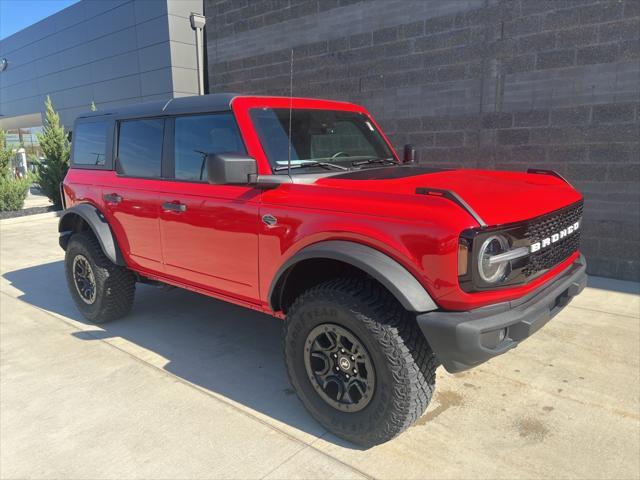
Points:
(546, 226)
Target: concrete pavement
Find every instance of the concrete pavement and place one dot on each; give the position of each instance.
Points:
(36, 199)
(190, 387)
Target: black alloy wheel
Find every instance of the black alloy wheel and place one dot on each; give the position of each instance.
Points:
(102, 290)
(339, 367)
(84, 279)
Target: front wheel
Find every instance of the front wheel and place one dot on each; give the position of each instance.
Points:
(357, 360)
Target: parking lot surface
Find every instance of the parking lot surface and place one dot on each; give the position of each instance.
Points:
(190, 387)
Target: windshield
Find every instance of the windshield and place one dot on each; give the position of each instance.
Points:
(318, 137)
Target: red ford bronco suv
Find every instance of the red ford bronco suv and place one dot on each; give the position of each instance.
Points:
(381, 269)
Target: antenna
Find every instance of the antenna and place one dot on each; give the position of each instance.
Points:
(290, 111)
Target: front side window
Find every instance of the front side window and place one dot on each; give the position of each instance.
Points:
(90, 144)
(140, 148)
(325, 136)
(199, 135)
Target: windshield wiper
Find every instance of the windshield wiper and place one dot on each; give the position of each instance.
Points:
(311, 163)
(370, 161)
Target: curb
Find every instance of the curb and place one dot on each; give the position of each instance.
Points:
(30, 218)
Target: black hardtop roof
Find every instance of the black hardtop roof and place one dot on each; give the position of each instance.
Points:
(217, 102)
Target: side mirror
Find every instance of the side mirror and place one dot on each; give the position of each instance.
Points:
(230, 168)
(409, 154)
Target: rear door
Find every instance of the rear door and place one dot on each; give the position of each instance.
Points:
(91, 153)
(131, 202)
(209, 232)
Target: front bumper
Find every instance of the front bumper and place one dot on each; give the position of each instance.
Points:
(462, 340)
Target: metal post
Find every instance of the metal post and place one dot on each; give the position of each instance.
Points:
(198, 23)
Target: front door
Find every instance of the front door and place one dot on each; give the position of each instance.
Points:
(209, 232)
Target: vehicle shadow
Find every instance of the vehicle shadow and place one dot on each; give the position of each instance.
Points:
(222, 348)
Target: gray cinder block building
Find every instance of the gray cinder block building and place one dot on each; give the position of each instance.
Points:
(505, 84)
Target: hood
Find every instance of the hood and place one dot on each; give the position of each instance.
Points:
(498, 197)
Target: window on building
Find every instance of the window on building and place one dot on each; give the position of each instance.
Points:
(140, 148)
(199, 135)
(90, 143)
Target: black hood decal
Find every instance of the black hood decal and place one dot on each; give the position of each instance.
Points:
(387, 173)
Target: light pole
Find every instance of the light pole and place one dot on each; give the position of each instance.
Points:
(197, 23)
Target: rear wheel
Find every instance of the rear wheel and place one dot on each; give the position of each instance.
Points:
(357, 360)
(101, 290)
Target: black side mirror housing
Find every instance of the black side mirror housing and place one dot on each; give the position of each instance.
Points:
(230, 168)
(409, 154)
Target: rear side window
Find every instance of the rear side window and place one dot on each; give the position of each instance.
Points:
(90, 144)
(140, 148)
(198, 135)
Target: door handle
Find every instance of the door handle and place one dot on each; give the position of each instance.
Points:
(174, 207)
(112, 198)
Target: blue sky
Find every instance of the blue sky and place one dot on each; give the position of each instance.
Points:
(18, 14)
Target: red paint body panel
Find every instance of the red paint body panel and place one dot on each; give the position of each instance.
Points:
(200, 246)
(215, 242)
(498, 197)
(220, 247)
(419, 232)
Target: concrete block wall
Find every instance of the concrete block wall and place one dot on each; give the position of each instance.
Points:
(505, 84)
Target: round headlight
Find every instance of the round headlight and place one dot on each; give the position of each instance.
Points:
(494, 245)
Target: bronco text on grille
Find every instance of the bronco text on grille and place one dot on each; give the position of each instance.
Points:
(554, 246)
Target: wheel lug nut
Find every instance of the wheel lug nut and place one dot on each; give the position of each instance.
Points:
(347, 375)
(337, 369)
(352, 358)
(335, 355)
(355, 372)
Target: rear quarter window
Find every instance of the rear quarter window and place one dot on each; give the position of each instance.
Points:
(90, 144)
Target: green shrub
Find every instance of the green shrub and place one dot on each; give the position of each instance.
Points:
(55, 145)
(13, 192)
(5, 156)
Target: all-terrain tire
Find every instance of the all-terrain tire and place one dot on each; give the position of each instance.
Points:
(404, 363)
(114, 285)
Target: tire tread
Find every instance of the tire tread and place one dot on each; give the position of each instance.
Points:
(410, 357)
(118, 283)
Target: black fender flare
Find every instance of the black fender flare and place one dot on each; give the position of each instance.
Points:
(97, 223)
(391, 274)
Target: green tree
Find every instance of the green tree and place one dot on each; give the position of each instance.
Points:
(56, 148)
